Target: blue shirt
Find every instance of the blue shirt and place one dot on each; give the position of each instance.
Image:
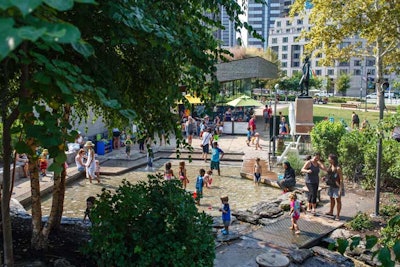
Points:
(226, 214)
(199, 183)
(215, 153)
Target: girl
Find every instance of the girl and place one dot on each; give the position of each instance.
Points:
(168, 173)
(257, 141)
(43, 164)
(295, 208)
(182, 174)
(257, 172)
(208, 178)
(335, 191)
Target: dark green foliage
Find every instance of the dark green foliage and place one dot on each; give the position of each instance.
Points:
(153, 223)
(337, 100)
(325, 136)
(360, 222)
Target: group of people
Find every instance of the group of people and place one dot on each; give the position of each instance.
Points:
(21, 159)
(85, 160)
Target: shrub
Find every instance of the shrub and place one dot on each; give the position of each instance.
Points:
(153, 223)
(337, 100)
(360, 222)
(325, 136)
(391, 233)
(295, 161)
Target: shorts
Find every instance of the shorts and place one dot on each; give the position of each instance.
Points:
(81, 169)
(226, 223)
(199, 194)
(257, 177)
(295, 216)
(206, 148)
(214, 165)
(334, 192)
(128, 149)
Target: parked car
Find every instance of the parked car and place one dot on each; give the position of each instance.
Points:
(372, 96)
(324, 94)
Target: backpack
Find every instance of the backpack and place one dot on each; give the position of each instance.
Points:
(356, 119)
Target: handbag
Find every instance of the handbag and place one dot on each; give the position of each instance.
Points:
(330, 180)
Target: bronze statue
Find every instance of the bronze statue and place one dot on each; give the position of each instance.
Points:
(305, 79)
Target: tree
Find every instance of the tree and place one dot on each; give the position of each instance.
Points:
(343, 84)
(333, 22)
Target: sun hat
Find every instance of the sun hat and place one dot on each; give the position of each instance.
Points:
(89, 143)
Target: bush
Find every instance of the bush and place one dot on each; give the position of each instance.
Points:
(391, 233)
(337, 100)
(154, 223)
(295, 161)
(325, 137)
(360, 222)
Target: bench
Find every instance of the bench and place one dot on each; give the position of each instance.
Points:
(348, 105)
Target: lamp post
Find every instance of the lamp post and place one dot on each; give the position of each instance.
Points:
(366, 90)
(274, 122)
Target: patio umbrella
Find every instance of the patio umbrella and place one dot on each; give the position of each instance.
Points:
(244, 101)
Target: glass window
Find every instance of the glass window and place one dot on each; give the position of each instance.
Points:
(284, 47)
(357, 72)
(284, 56)
(318, 72)
(284, 64)
(331, 72)
(278, 24)
(284, 39)
(343, 71)
(274, 40)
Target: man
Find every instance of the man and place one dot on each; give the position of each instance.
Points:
(267, 113)
(205, 143)
(252, 126)
(355, 121)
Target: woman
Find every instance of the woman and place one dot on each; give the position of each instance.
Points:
(22, 160)
(283, 126)
(311, 168)
(289, 177)
(91, 162)
(79, 160)
(335, 191)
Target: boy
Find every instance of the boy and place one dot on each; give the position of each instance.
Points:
(257, 172)
(89, 205)
(128, 144)
(226, 214)
(248, 136)
(216, 156)
(200, 185)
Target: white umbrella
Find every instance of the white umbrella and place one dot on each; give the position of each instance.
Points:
(244, 101)
(292, 119)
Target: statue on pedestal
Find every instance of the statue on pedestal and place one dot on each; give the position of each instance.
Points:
(305, 79)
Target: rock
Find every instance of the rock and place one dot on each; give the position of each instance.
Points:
(272, 259)
(285, 205)
(246, 216)
(62, 263)
(266, 210)
(17, 210)
(332, 256)
(340, 233)
(266, 221)
(300, 255)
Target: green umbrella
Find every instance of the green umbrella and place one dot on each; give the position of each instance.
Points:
(244, 101)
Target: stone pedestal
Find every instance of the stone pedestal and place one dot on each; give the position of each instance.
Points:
(304, 115)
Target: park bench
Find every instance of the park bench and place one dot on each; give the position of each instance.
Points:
(349, 105)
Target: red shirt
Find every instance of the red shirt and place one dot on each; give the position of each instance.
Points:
(252, 124)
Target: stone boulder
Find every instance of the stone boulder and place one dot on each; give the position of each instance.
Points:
(246, 216)
(266, 210)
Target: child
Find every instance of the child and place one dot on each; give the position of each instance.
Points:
(128, 145)
(43, 164)
(199, 186)
(182, 174)
(257, 140)
(168, 173)
(226, 214)
(150, 158)
(295, 208)
(208, 178)
(97, 171)
(89, 205)
(248, 136)
(257, 172)
(216, 156)
(215, 135)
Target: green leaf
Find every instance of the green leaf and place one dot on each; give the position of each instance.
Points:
(384, 257)
(6, 24)
(61, 5)
(26, 6)
(30, 33)
(342, 245)
(393, 221)
(355, 241)
(61, 33)
(9, 40)
(86, 1)
(371, 241)
(63, 87)
(83, 48)
(396, 250)
(4, 4)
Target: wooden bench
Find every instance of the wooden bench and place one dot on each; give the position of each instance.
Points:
(348, 105)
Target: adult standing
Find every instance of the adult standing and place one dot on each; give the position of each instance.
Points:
(253, 127)
(289, 177)
(91, 162)
(206, 139)
(283, 126)
(311, 168)
(267, 113)
(336, 190)
(190, 128)
(116, 138)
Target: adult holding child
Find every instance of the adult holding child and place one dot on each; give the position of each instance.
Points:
(311, 168)
(334, 179)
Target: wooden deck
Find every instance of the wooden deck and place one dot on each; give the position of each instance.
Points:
(267, 177)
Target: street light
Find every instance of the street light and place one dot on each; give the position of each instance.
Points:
(274, 121)
(366, 91)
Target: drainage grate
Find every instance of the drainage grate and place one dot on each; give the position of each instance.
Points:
(312, 230)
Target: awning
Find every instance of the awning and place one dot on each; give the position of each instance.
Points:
(193, 99)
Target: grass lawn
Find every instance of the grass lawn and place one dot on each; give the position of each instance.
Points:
(322, 112)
